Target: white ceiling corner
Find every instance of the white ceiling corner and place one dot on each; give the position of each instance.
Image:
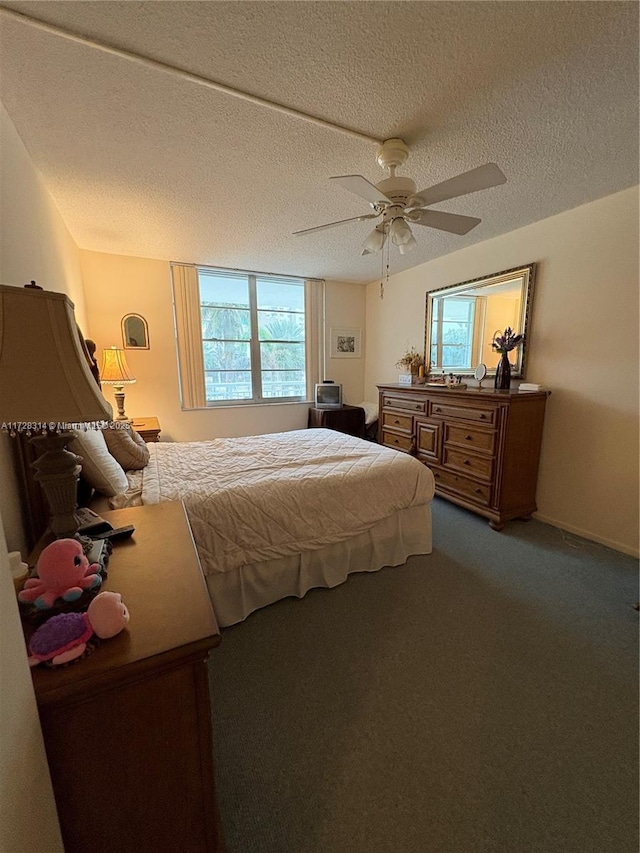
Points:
(143, 163)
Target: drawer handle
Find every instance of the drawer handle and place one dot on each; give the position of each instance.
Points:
(417, 407)
(483, 417)
(466, 462)
(478, 491)
(436, 476)
(396, 421)
(437, 409)
(395, 440)
(469, 437)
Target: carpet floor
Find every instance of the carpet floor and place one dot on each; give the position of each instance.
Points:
(482, 699)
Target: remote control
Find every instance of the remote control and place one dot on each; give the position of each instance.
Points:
(115, 533)
(90, 523)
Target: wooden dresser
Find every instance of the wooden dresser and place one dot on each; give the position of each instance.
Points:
(127, 730)
(483, 446)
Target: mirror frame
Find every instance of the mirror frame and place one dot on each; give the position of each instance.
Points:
(125, 340)
(527, 275)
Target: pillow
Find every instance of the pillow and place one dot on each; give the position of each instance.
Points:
(126, 446)
(99, 468)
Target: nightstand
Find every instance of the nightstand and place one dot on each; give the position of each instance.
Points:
(148, 428)
(129, 726)
(347, 419)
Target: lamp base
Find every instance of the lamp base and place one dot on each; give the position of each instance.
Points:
(57, 470)
(118, 393)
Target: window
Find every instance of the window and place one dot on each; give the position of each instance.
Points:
(244, 337)
(453, 332)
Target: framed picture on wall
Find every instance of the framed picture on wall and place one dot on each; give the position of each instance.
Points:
(346, 343)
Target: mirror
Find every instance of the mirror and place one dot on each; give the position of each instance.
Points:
(480, 372)
(135, 332)
(462, 320)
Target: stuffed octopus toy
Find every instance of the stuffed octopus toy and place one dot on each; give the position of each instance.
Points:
(64, 637)
(63, 571)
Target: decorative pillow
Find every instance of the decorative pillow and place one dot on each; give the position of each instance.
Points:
(126, 446)
(99, 468)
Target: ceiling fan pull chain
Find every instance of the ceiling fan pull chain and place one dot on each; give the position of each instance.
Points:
(387, 246)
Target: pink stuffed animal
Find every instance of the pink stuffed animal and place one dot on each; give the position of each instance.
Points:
(63, 638)
(63, 572)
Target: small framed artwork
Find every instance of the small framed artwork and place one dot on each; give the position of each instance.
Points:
(346, 343)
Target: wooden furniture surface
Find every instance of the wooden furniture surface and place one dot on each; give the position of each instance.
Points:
(148, 428)
(127, 729)
(347, 419)
(482, 445)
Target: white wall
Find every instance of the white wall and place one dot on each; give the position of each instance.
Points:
(345, 308)
(34, 244)
(116, 285)
(28, 819)
(583, 346)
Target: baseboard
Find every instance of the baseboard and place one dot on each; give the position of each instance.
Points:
(585, 534)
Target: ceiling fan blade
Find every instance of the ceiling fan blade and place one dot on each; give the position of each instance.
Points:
(362, 187)
(339, 222)
(480, 178)
(453, 222)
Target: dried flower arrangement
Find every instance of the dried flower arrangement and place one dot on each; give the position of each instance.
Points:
(507, 341)
(411, 360)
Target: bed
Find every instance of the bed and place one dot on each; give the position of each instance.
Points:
(276, 515)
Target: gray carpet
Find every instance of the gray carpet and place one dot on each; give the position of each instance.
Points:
(483, 699)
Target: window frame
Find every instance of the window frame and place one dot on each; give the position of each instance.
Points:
(190, 341)
(473, 326)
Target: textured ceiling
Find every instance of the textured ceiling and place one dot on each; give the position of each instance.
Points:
(143, 163)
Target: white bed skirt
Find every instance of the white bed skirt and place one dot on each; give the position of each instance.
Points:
(237, 593)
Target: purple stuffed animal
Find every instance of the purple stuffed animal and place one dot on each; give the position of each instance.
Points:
(63, 638)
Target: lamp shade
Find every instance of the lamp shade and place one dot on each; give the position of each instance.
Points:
(400, 232)
(375, 241)
(403, 248)
(44, 372)
(115, 370)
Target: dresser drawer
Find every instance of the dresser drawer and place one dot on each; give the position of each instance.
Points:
(480, 466)
(400, 442)
(479, 493)
(468, 436)
(407, 405)
(428, 440)
(390, 419)
(466, 413)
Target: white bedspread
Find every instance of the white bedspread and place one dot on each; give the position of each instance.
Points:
(261, 497)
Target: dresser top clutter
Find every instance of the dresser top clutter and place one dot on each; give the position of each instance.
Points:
(482, 445)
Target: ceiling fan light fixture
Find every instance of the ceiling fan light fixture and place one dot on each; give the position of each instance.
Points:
(374, 242)
(403, 248)
(400, 232)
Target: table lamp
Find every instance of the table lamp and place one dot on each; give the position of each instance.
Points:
(45, 388)
(115, 371)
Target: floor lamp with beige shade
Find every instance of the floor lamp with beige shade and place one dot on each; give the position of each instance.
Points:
(46, 387)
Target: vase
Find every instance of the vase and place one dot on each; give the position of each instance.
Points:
(503, 373)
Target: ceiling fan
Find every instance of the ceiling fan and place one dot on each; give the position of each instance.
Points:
(397, 203)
